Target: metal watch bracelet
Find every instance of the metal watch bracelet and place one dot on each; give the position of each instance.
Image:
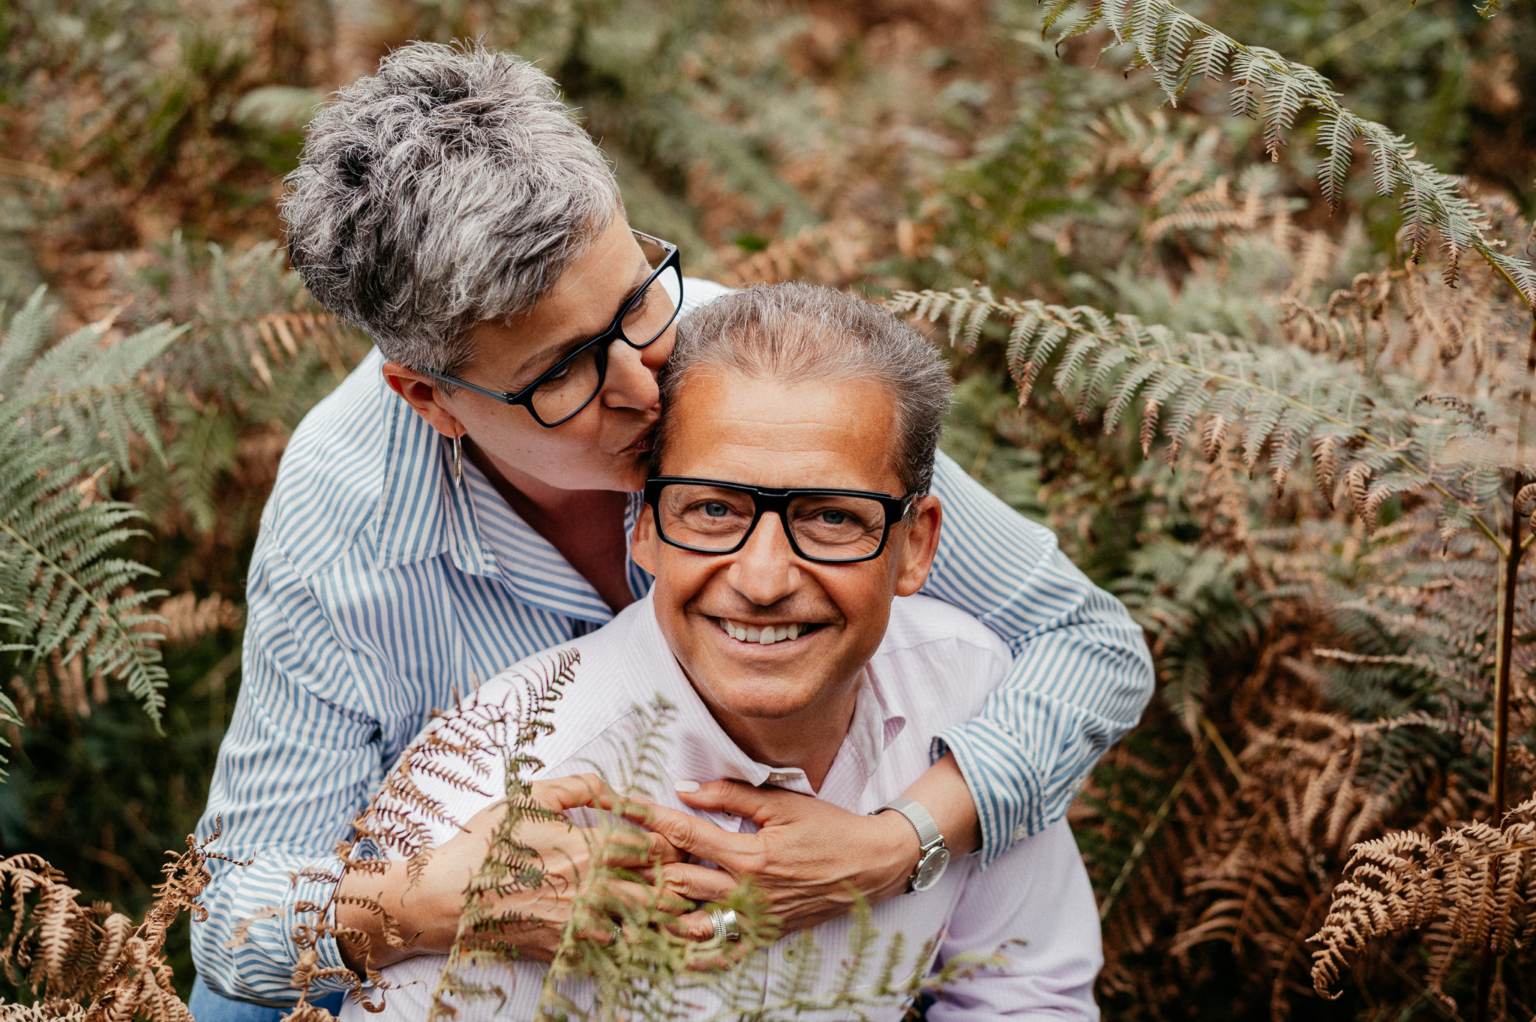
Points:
(934, 856)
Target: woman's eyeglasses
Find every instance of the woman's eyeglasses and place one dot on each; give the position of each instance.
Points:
(568, 386)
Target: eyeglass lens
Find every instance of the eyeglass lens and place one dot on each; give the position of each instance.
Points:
(576, 381)
(833, 527)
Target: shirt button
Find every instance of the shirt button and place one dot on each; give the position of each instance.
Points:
(1021, 833)
(778, 778)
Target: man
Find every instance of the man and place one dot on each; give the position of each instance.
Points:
(788, 509)
(465, 499)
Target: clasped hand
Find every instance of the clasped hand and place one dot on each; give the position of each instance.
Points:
(807, 860)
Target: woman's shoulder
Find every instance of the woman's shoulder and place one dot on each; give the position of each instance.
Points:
(333, 470)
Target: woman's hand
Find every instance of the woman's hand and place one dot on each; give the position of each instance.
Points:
(808, 856)
(426, 911)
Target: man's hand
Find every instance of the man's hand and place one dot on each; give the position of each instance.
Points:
(807, 854)
(427, 911)
(807, 858)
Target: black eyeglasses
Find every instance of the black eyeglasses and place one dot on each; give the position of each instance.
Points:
(568, 386)
(707, 516)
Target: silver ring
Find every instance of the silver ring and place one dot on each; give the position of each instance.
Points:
(724, 920)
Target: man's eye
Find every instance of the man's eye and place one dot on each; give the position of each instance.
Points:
(834, 517)
(715, 509)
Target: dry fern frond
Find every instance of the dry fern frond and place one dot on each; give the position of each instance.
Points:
(1474, 888)
(833, 254)
(185, 618)
(87, 962)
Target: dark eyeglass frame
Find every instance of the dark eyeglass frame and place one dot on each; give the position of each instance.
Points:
(602, 341)
(775, 500)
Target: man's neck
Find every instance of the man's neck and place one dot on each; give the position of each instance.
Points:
(585, 526)
(809, 740)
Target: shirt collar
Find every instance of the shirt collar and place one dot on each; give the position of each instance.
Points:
(423, 513)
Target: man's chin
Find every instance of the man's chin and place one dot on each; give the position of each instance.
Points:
(757, 698)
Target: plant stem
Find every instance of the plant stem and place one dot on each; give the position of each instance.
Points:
(1507, 605)
(1144, 839)
(1504, 658)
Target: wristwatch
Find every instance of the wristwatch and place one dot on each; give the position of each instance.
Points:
(934, 857)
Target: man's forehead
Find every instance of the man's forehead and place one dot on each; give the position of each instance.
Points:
(774, 432)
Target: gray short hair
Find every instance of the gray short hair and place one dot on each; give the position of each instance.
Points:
(796, 332)
(450, 188)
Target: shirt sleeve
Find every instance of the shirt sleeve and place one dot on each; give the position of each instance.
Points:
(1081, 673)
(1035, 907)
(293, 770)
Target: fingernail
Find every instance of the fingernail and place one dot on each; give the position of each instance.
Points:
(686, 786)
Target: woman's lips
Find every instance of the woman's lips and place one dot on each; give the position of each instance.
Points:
(644, 442)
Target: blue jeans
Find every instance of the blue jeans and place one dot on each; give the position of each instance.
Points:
(207, 1006)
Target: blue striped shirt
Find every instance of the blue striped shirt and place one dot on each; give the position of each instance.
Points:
(379, 589)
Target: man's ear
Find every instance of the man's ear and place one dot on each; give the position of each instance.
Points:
(924, 519)
(642, 545)
(420, 392)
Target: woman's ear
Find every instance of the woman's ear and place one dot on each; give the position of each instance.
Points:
(421, 393)
(642, 545)
(921, 544)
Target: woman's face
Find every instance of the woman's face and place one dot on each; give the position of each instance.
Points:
(605, 446)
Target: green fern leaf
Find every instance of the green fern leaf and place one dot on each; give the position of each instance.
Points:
(74, 410)
(1337, 134)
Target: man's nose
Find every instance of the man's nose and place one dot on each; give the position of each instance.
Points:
(766, 570)
(631, 381)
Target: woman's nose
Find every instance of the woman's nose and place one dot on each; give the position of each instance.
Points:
(631, 381)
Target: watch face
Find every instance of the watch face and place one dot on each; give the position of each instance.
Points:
(929, 868)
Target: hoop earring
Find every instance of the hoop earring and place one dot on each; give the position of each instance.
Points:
(458, 461)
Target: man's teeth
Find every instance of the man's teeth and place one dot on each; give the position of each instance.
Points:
(764, 636)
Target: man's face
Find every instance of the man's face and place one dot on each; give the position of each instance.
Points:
(814, 434)
(607, 445)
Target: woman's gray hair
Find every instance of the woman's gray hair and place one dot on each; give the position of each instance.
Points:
(450, 188)
(792, 332)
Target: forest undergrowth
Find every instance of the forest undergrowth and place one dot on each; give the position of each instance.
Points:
(1274, 395)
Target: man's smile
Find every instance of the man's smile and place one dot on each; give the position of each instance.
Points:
(766, 634)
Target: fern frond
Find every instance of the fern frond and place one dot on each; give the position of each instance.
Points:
(1281, 402)
(79, 406)
(1267, 86)
(1471, 887)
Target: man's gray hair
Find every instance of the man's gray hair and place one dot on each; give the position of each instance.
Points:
(450, 188)
(792, 332)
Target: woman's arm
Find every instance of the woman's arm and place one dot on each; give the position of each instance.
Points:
(1081, 674)
(293, 770)
(299, 762)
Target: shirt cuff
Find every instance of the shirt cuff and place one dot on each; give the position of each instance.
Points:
(320, 892)
(1005, 785)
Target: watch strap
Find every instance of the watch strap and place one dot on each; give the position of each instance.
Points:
(928, 833)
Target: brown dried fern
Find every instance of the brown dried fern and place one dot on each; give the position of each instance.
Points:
(1473, 889)
(87, 963)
